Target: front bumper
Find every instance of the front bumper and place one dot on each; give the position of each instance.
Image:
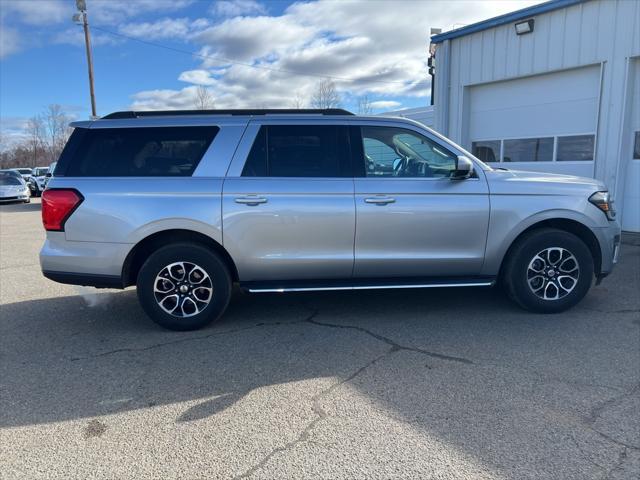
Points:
(609, 238)
(17, 198)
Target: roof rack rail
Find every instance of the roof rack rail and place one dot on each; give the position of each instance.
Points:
(246, 112)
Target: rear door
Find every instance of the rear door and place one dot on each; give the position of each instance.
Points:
(412, 219)
(288, 210)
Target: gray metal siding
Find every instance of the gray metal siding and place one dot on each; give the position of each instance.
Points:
(596, 32)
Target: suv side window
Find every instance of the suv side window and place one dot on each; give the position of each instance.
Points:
(398, 152)
(139, 152)
(299, 151)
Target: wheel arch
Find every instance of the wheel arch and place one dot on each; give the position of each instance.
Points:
(145, 247)
(579, 229)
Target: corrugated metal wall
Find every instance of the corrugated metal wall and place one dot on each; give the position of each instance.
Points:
(595, 32)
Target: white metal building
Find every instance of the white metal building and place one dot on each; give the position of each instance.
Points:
(559, 93)
(424, 115)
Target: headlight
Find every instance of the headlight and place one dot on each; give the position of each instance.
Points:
(604, 203)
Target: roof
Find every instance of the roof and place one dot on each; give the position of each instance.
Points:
(504, 19)
(246, 112)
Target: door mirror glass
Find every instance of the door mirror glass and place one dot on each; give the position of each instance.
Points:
(464, 168)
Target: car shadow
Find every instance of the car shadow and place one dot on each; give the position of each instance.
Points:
(20, 207)
(426, 357)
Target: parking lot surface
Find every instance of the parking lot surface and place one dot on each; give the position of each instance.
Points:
(440, 384)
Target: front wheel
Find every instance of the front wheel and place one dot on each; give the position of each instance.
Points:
(184, 286)
(548, 271)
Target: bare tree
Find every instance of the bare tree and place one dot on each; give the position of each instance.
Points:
(41, 142)
(325, 95)
(204, 99)
(57, 130)
(35, 141)
(364, 105)
(298, 101)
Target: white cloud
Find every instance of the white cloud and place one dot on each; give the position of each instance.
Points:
(42, 12)
(197, 77)
(75, 36)
(375, 48)
(12, 131)
(165, 28)
(234, 8)
(9, 42)
(384, 104)
(113, 12)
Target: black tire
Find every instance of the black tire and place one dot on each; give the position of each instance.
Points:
(517, 275)
(191, 254)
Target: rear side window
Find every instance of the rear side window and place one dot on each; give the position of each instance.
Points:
(299, 151)
(138, 152)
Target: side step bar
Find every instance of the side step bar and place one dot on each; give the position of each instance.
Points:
(362, 284)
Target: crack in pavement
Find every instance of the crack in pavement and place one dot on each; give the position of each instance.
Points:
(189, 339)
(597, 411)
(317, 409)
(623, 310)
(622, 456)
(391, 342)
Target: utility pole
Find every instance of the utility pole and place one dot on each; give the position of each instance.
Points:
(82, 17)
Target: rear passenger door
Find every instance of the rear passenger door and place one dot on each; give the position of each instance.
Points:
(288, 211)
(412, 219)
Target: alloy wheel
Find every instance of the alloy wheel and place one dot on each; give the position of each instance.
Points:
(183, 289)
(553, 273)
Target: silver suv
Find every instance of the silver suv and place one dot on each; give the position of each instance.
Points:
(183, 204)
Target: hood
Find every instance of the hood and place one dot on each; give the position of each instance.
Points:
(524, 182)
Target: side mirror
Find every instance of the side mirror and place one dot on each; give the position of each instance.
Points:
(464, 168)
(48, 174)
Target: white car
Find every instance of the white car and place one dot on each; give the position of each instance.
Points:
(13, 188)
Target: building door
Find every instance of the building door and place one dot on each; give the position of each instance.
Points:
(543, 123)
(631, 202)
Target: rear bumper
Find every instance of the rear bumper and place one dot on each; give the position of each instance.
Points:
(83, 263)
(85, 279)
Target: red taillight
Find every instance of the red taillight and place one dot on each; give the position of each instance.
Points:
(57, 205)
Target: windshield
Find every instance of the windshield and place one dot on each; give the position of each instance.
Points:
(9, 180)
(24, 171)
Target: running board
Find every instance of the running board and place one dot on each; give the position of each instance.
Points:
(334, 285)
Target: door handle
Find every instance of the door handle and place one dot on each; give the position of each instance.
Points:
(380, 200)
(251, 200)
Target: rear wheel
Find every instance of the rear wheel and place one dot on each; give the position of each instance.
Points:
(184, 286)
(548, 271)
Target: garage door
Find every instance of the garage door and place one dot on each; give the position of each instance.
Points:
(544, 122)
(631, 202)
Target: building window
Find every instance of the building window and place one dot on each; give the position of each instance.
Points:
(575, 148)
(486, 150)
(528, 150)
(636, 147)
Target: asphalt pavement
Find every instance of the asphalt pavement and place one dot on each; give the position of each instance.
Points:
(442, 384)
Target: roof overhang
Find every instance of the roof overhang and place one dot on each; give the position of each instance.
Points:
(504, 19)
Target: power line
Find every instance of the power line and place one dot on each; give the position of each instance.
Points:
(250, 65)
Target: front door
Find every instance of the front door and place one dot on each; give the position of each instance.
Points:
(290, 214)
(412, 219)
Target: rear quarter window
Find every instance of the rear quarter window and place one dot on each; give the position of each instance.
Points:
(139, 151)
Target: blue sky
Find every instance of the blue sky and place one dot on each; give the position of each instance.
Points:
(249, 53)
